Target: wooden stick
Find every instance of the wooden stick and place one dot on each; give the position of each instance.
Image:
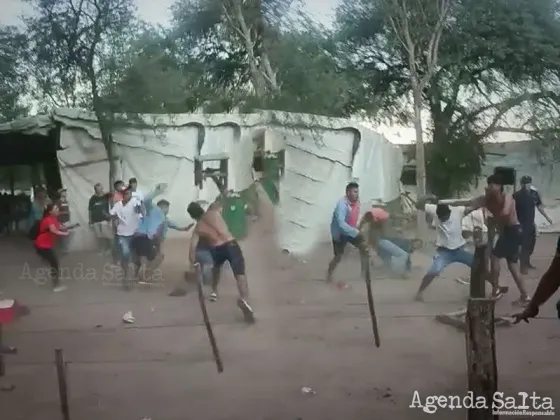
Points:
(62, 384)
(202, 301)
(2, 361)
(366, 269)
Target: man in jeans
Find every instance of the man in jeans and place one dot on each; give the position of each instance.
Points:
(526, 200)
(127, 216)
(395, 252)
(344, 228)
(449, 239)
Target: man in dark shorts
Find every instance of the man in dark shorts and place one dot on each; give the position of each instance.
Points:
(344, 228)
(508, 245)
(212, 228)
(527, 199)
(152, 230)
(549, 284)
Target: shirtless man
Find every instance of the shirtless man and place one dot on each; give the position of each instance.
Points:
(212, 228)
(508, 245)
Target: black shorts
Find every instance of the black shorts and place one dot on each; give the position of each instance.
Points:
(230, 252)
(143, 246)
(509, 243)
(339, 245)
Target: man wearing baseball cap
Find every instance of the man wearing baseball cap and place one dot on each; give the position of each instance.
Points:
(526, 200)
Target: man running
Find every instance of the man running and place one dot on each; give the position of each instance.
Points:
(212, 228)
(526, 200)
(504, 218)
(449, 239)
(344, 228)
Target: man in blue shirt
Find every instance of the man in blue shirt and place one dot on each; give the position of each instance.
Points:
(527, 199)
(151, 233)
(344, 227)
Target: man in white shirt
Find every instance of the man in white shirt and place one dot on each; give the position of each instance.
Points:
(449, 239)
(127, 214)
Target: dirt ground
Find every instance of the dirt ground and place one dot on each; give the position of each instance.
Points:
(307, 335)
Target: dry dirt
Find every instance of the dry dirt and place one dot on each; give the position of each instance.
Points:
(307, 335)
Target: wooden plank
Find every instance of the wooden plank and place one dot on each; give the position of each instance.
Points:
(2, 361)
(212, 157)
(481, 355)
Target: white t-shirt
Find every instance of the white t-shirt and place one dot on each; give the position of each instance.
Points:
(449, 234)
(138, 195)
(128, 218)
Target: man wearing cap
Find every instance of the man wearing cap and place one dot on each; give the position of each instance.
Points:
(526, 200)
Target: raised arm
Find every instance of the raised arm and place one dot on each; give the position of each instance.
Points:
(148, 198)
(475, 204)
(427, 199)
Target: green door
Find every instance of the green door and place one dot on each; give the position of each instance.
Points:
(234, 215)
(271, 177)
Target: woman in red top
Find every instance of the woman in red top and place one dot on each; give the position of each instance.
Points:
(49, 230)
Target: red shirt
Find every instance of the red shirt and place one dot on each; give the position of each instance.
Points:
(46, 239)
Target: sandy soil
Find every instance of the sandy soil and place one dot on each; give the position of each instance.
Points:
(307, 335)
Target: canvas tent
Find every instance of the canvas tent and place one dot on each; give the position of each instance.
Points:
(321, 156)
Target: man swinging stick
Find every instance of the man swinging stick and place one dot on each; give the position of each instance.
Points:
(508, 245)
(212, 228)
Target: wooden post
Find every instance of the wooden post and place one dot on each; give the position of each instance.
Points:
(480, 336)
(2, 362)
(481, 356)
(62, 384)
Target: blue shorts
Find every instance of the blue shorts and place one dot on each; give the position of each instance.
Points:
(445, 256)
(124, 245)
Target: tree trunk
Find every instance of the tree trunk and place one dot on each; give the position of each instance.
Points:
(420, 161)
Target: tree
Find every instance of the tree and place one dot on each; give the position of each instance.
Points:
(496, 59)
(13, 80)
(234, 30)
(77, 51)
(418, 25)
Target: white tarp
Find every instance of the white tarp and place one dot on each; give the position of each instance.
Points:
(319, 163)
(317, 170)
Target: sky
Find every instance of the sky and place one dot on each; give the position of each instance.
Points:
(158, 12)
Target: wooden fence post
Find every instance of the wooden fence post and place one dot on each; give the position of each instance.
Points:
(480, 340)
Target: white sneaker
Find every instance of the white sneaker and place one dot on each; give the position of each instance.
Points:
(213, 297)
(247, 311)
(59, 289)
